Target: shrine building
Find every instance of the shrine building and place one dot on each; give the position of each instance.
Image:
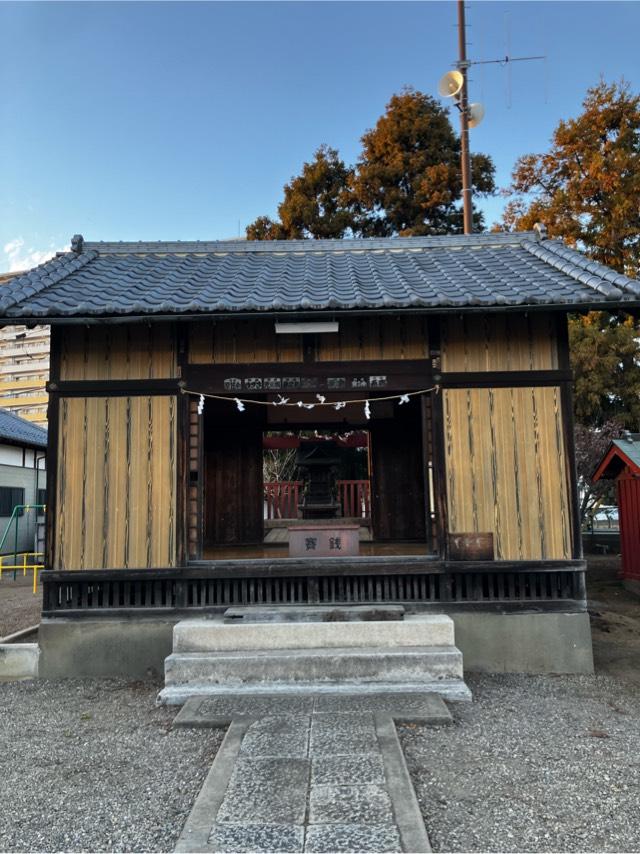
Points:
(419, 388)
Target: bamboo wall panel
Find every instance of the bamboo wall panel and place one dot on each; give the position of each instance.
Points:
(358, 339)
(370, 338)
(507, 471)
(235, 342)
(501, 342)
(116, 489)
(118, 352)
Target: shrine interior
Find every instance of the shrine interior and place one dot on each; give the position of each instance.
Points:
(266, 471)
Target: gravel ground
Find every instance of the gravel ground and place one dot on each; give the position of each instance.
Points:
(19, 608)
(95, 766)
(615, 621)
(535, 763)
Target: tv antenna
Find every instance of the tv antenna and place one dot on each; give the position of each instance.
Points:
(454, 85)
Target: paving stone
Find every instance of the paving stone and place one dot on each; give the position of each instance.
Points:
(346, 719)
(332, 780)
(269, 791)
(257, 837)
(344, 734)
(352, 837)
(423, 708)
(278, 735)
(350, 805)
(355, 770)
(216, 711)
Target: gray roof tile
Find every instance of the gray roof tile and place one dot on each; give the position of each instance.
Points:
(21, 431)
(144, 279)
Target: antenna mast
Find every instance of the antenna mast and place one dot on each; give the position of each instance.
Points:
(454, 85)
(462, 65)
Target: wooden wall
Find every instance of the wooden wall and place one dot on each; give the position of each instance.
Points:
(506, 469)
(241, 341)
(358, 339)
(116, 483)
(372, 338)
(499, 342)
(118, 352)
(117, 490)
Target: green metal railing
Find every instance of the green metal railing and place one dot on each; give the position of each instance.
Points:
(25, 564)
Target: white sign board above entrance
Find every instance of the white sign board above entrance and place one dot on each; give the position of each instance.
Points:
(302, 327)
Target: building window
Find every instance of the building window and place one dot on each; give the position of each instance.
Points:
(9, 497)
(42, 496)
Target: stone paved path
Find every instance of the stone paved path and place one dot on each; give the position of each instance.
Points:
(316, 774)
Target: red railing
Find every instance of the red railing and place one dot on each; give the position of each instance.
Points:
(355, 497)
(281, 499)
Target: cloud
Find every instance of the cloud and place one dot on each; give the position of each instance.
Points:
(17, 257)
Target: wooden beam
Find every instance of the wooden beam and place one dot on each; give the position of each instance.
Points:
(336, 378)
(180, 332)
(568, 428)
(439, 459)
(502, 379)
(112, 388)
(53, 419)
(320, 567)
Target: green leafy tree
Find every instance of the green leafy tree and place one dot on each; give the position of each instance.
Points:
(407, 181)
(408, 178)
(605, 359)
(317, 203)
(591, 446)
(586, 188)
(265, 228)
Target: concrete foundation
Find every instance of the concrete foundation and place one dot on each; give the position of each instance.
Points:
(524, 643)
(19, 661)
(104, 648)
(500, 643)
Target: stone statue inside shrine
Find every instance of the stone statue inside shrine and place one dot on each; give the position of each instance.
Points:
(318, 461)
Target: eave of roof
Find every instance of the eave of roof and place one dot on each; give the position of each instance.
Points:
(620, 454)
(15, 430)
(117, 282)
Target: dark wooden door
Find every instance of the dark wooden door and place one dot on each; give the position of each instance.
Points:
(233, 502)
(397, 477)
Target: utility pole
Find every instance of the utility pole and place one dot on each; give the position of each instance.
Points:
(454, 85)
(462, 65)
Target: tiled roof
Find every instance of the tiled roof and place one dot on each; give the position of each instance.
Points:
(20, 431)
(630, 446)
(454, 272)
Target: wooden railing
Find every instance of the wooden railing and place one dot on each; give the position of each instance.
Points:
(418, 583)
(355, 497)
(281, 499)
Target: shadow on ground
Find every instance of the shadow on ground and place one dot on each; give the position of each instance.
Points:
(615, 621)
(19, 606)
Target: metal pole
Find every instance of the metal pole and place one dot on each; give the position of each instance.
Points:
(464, 123)
(15, 550)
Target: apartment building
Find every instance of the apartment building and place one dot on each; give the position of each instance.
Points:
(24, 369)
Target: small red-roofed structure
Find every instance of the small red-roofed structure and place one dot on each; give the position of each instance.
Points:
(622, 464)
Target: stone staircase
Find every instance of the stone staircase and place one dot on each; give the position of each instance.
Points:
(278, 650)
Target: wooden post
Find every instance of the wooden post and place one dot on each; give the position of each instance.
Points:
(465, 157)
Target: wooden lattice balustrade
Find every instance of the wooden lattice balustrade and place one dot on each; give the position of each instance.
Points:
(417, 583)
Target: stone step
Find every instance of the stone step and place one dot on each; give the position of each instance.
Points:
(313, 614)
(452, 690)
(368, 666)
(214, 635)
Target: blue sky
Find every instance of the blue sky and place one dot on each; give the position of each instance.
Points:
(183, 120)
